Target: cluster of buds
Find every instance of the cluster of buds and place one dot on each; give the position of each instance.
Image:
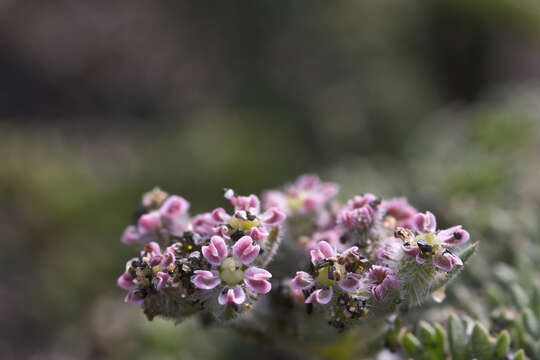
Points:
(366, 256)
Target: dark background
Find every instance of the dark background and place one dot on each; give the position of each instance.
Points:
(102, 100)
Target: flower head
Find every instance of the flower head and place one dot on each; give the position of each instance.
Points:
(425, 243)
(305, 195)
(231, 271)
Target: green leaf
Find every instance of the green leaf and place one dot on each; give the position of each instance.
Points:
(502, 345)
(531, 322)
(426, 333)
(440, 341)
(412, 346)
(480, 344)
(519, 296)
(457, 338)
(520, 355)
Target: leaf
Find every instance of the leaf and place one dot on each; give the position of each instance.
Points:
(412, 345)
(426, 333)
(531, 322)
(457, 338)
(480, 344)
(502, 345)
(519, 296)
(520, 355)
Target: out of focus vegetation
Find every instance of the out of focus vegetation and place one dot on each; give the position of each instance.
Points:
(100, 101)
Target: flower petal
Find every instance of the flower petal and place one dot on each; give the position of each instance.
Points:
(206, 280)
(323, 251)
(244, 250)
(174, 206)
(350, 282)
(134, 297)
(446, 261)
(130, 235)
(161, 279)
(234, 295)
(256, 280)
(125, 281)
(320, 296)
(273, 216)
(216, 251)
(453, 236)
(302, 281)
(148, 221)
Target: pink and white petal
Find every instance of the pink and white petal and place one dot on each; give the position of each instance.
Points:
(125, 281)
(216, 251)
(206, 280)
(220, 216)
(133, 297)
(258, 233)
(302, 281)
(234, 295)
(446, 261)
(168, 257)
(323, 251)
(174, 206)
(350, 282)
(273, 216)
(412, 251)
(320, 296)
(162, 279)
(131, 235)
(256, 280)
(453, 236)
(148, 222)
(244, 250)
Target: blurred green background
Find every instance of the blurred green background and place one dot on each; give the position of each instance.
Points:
(100, 101)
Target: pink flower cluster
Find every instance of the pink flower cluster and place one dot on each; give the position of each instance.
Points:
(229, 244)
(365, 253)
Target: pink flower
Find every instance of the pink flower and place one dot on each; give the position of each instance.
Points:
(302, 281)
(424, 222)
(273, 217)
(446, 261)
(131, 235)
(148, 222)
(323, 251)
(383, 282)
(257, 280)
(307, 194)
(453, 236)
(174, 206)
(230, 269)
(400, 209)
(203, 224)
(359, 213)
(206, 280)
(234, 295)
(216, 252)
(430, 244)
(244, 250)
(249, 203)
(320, 296)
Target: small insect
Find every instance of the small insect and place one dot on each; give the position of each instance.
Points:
(424, 246)
(324, 263)
(457, 236)
(237, 235)
(251, 217)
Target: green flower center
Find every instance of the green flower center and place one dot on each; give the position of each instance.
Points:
(231, 271)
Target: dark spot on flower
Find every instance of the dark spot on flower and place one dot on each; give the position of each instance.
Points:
(424, 246)
(457, 235)
(237, 235)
